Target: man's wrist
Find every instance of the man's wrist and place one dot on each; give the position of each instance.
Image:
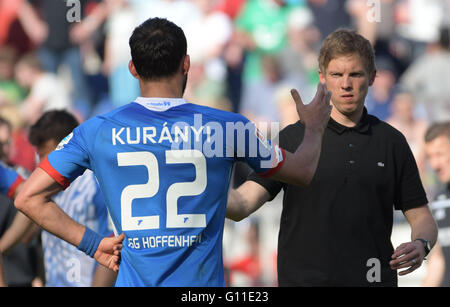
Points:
(314, 131)
(425, 244)
(90, 242)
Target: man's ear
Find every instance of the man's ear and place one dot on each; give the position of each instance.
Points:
(372, 78)
(186, 64)
(321, 76)
(133, 69)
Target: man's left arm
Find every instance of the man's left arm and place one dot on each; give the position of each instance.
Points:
(34, 200)
(410, 255)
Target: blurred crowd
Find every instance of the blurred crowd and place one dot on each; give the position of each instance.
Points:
(245, 56)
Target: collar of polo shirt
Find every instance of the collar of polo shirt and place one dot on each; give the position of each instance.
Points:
(362, 126)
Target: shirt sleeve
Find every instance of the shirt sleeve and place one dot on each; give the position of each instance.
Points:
(9, 180)
(290, 138)
(409, 191)
(69, 160)
(252, 147)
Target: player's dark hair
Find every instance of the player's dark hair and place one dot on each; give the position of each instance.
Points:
(53, 125)
(436, 130)
(158, 47)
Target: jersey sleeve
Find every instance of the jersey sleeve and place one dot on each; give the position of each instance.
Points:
(251, 146)
(9, 180)
(290, 138)
(69, 160)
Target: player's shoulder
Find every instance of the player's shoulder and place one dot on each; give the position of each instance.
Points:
(291, 136)
(384, 129)
(217, 114)
(115, 113)
(386, 132)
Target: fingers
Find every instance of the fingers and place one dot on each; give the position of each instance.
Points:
(296, 96)
(320, 92)
(120, 238)
(115, 263)
(402, 249)
(406, 256)
(117, 249)
(411, 269)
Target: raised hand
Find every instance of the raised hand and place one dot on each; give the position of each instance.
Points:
(316, 114)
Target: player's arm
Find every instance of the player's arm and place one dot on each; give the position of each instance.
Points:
(299, 167)
(20, 225)
(411, 254)
(245, 200)
(18, 229)
(34, 200)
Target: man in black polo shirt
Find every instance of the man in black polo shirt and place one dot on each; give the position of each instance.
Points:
(336, 231)
(437, 147)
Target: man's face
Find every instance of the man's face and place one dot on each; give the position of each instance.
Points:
(438, 154)
(348, 80)
(23, 75)
(5, 142)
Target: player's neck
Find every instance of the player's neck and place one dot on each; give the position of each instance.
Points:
(347, 120)
(164, 88)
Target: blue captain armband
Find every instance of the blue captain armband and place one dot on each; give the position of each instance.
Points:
(90, 242)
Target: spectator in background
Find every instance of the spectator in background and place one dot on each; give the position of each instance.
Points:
(330, 15)
(12, 26)
(249, 264)
(123, 87)
(206, 54)
(258, 101)
(428, 78)
(365, 18)
(231, 7)
(20, 153)
(181, 12)
(233, 55)
(22, 263)
(60, 40)
(299, 59)
(403, 118)
(83, 201)
(262, 29)
(437, 139)
(46, 91)
(5, 140)
(285, 108)
(380, 95)
(418, 23)
(10, 92)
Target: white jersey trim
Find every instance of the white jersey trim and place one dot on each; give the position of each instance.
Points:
(159, 104)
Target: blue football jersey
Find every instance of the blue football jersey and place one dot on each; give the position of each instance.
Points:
(9, 180)
(164, 167)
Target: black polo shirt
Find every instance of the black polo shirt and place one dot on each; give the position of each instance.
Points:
(331, 229)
